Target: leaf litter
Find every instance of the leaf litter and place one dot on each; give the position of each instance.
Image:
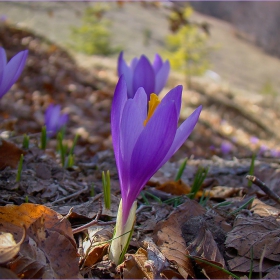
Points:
(170, 241)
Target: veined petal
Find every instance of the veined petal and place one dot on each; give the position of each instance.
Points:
(144, 76)
(126, 71)
(183, 132)
(162, 76)
(12, 71)
(151, 147)
(157, 64)
(3, 62)
(134, 114)
(119, 100)
(175, 95)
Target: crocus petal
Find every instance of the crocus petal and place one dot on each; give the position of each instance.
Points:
(175, 95)
(133, 63)
(134, 114)
(182, 134)
(126, 71)
(12, 71)
(157, 64)
(144, 76)
(162, 76)
(120, 97)
(63, 119)
(150, 148)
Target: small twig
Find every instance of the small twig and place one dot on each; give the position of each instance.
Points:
(67, 215)
(71, 195)
(264, 187)
(93, 222)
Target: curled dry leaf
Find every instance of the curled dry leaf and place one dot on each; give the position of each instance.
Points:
(168, 236)
(95, 247)
(49, 249)
(260, 233)
(8, 247)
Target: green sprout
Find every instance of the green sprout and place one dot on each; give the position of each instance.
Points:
(71, 152)
(26, 199)
(144, 195)
(199, 178)
(215, 266)
(181, 170)
(44, 138)
(252, 168)
(19, 168)
(92, 192)
(25, 142)
(106, 188)
(204, 199)
(243, 206)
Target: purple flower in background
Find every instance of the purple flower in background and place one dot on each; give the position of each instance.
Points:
(226, 147)
(143, 141)
(10, 72)
(141, 73)
(254, 140)
(54, 120)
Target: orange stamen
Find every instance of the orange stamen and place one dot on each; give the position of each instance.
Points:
(153, 103)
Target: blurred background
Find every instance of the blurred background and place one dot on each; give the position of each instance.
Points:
(225, 53)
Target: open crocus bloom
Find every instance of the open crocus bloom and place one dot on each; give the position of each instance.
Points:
(54, 120)
(143, 141)
(10, 72)
(141, 73)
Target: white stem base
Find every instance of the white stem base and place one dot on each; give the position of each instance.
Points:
(121, 236)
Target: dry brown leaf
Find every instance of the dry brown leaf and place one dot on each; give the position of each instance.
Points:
(274, 273)
(205, 248)
(49, 249)
(243, 264)
(9, 154)
(168, 236)
(174, 187)
(8, 247)
(260, 233)
(264, 210)
(136, 266)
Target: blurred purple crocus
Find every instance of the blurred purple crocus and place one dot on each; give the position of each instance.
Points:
(143, 142)
(54, 120)
(10, 72)
(141, 73)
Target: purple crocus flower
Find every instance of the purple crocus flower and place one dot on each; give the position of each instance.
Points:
(143, 143)
(10, 72)
(226, 147)
(54, 120)
(141, 73)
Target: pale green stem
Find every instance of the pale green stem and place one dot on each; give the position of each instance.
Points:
(122, 234)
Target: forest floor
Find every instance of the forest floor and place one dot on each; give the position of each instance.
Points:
(169, 241)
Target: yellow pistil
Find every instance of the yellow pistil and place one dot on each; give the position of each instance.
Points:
(153, 103)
